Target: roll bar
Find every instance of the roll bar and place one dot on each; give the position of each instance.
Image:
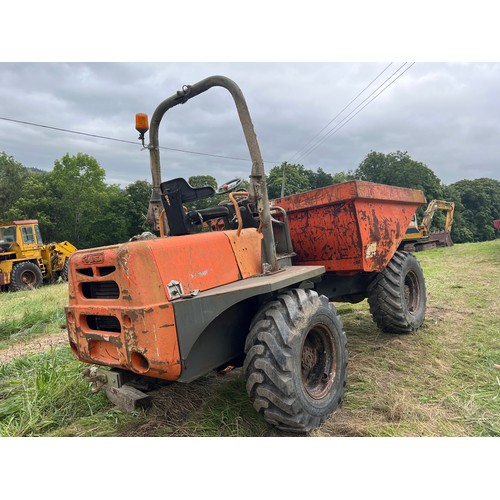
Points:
(257, 189)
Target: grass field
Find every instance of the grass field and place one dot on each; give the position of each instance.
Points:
(441, 381)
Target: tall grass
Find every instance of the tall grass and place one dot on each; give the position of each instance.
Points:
(43, 391)
(439, 381)
(32, 312)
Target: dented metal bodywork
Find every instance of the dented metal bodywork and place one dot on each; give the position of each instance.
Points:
(121, 310)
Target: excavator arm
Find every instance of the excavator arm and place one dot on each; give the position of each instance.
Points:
(447, 206)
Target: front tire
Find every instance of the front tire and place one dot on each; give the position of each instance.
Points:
(296, 361)
(397, 296)
(25, 276)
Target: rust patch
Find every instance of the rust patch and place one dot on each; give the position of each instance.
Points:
(349, 227)
(121, 258)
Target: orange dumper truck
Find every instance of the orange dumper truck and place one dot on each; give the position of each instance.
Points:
(247, 283)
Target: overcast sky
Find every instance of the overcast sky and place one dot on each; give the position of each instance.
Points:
(446, 115)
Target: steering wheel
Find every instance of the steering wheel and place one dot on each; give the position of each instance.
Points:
(229, 186)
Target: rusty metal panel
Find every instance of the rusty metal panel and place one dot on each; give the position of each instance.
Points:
(4, 278)
(349, 227)
(382, 226)
(134, 330)
(120, 311)
(247, 248)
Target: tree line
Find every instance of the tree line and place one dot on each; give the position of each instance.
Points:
(73, 201)
(477, 202)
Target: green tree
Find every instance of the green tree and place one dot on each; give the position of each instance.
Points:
(398, 169)
(299, 179)
(296, 180)
(203, 181)
(138, 194)
(78, 191)
(36, 202)
(318, 179)
(111, 224)
(342, 177)
(477, 205)
(12, 178)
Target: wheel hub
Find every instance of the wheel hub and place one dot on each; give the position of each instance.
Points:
(28, 278)
(318, 363)
(308, 358)
(411, 293)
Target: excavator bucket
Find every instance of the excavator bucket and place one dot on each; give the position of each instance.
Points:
(441, 238)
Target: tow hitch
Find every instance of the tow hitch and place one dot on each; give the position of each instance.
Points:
(118, 390)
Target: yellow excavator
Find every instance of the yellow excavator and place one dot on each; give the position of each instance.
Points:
(419, 236)
(25, 261)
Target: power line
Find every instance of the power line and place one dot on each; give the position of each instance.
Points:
(302, 155)
(383, 90)
(125, 141)
(338, 114)
(346, 119)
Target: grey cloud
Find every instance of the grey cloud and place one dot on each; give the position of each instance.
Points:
(445, 115)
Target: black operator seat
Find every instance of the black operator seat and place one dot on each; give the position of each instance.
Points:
(178, 191)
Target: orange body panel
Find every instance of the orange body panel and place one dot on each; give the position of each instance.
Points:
(247, 249)
(120, 311)
(349, 227)
(134, 330)
(197, 261)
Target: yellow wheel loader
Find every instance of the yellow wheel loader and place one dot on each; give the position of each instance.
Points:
(25, 261)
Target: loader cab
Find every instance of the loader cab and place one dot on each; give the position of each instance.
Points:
(7, 237)
(25, 233)
(413, 230)
(29, 235)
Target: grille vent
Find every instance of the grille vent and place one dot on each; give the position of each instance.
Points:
(103, 323)
(100, 290)
(105, 270)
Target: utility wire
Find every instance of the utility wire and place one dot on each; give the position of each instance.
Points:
(383, 90)
(127, 142)
(343, 122)
(297, 153)
(346, 119)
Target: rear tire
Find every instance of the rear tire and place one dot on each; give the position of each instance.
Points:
(25, 276)
(64, 271)
(397, 296)
(296, 361)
